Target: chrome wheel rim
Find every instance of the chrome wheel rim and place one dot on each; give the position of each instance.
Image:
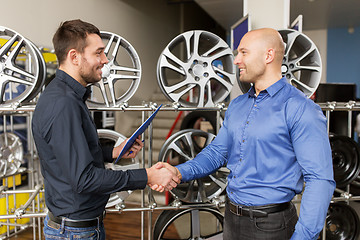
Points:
(22, 68)
(117, 139)
(120, 77)
(301, 65)
(197, 65)
(183, 146)
(11, 153)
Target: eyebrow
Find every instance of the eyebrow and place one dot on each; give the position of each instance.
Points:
(100, 49)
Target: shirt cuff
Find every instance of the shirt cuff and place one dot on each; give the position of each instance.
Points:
(137, 178)
(107, 153)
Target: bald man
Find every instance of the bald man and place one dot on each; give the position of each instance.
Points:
(273, 140)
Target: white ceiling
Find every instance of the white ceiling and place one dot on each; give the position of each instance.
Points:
(317, 14)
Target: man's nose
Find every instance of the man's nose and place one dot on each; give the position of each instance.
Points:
(237, 59)
(104, 59)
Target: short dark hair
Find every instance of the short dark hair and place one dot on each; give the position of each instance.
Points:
(72, 35)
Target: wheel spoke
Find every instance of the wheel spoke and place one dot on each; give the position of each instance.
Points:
(165, 64)
(124, 77)
(172, 57)
(218, 182)
(190, 142)
(195, 224)
(178, 150)
(108, 45)
(116, 48)
(127, 69)
(171, 89)
(305, 54)
(310, 68)
(290, 42)
(220, 44)
(22, 73)
(303, 86)
(177, 96)
(220, 54)
(223, 82)
(101, 86)
(209, 102)
(7, 46)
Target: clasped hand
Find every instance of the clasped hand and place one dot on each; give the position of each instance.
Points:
(163, 176)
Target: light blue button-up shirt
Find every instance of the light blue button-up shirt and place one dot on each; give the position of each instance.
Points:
(272, 143)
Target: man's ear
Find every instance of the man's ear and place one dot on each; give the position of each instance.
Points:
(270, 55)
(73, 56)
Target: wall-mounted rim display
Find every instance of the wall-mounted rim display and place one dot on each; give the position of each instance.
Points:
(112, 138)
(22, 68)
(183, 146)
(120, 77)
(301, 65)
(196, 69)
(11, 153)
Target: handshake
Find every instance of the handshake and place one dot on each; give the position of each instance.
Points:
(162, 176)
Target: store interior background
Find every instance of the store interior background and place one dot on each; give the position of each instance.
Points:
(333, 25)
(149, 25)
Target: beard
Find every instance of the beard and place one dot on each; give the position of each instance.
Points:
(89, 73)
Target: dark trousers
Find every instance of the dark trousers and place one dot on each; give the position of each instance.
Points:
(276, 226)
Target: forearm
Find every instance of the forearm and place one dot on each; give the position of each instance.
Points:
(105, 181)
(314, 204)
(205, 163)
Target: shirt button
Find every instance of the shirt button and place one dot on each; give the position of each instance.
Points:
(247, 122)
(255, 105)
(231, 192)
(240, 160)
(243, 140)
(234, 177)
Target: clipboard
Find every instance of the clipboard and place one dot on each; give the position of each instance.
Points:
(136, 134)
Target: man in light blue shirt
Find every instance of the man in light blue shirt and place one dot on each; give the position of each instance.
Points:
(273, 139)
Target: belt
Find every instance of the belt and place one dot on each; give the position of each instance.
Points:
(77, 223)
(257, 211)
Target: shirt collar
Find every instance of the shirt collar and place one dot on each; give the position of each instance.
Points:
(272, 90)
(80, 90)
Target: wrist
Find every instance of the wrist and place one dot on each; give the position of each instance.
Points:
(178, 174)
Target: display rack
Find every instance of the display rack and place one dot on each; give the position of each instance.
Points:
(34, 207)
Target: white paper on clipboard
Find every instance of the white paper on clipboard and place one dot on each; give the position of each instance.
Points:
(136, 134)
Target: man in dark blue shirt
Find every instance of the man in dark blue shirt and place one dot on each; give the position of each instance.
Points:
(77, 186)
(273, 139)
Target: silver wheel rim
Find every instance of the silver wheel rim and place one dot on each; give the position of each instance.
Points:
(301, 65)
(184, 146)
(302, 62)
(22, 69)
(121, 76)
(196, 72)
(11, 153)
(119, 197)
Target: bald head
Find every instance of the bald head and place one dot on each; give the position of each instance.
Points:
(260, 56)
(269, 38)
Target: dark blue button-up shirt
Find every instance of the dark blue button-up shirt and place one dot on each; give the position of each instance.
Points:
(272, 143)
(72, 161)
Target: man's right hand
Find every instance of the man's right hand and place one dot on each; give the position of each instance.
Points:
(162, 178)
(162, 165)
